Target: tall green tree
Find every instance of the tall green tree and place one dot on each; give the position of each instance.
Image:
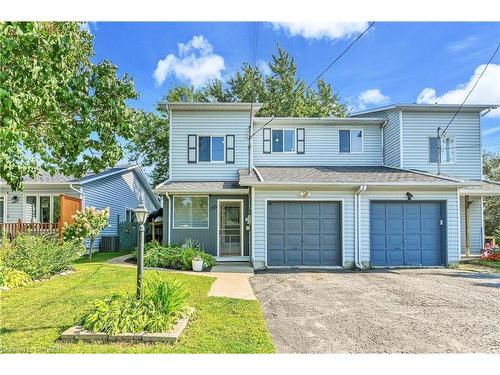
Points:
(282, 92)
(491, 170)
(59, 111)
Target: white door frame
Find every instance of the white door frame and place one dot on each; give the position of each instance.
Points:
(242, 220)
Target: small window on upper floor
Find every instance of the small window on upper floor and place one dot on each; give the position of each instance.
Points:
(284, 140)
(447, 150)
(350, 141)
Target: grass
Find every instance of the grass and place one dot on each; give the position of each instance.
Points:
(33, 317)
(101, 257)
(488, 263)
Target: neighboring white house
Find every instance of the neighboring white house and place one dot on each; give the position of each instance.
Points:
(120, 188)
(326, 192)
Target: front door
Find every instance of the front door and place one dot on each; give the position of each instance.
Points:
(230, 228)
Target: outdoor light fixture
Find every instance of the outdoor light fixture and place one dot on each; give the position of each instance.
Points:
(13, 199)
(409, 195)
(141, 213)
(305, 194)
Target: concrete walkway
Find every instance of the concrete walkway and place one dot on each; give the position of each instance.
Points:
(231, 279)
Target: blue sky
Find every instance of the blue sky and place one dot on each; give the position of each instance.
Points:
(392, 63)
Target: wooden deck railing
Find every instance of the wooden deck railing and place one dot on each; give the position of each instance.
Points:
(14, 229)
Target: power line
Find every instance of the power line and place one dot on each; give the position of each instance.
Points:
(321, 74)
(472, 89)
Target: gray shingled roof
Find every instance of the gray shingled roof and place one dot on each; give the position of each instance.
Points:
(182, 186)
(339, 175)
(484, 187)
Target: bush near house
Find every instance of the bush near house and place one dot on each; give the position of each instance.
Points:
(12, 278)
(162, 304)
(39, 257)
(175, 257)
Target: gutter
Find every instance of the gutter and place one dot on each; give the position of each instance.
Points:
(357, 242)
(79, 191)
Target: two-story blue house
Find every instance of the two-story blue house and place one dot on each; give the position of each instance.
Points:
(326, 192)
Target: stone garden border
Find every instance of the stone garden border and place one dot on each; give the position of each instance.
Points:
(79, 333)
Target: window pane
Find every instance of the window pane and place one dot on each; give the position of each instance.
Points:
(30, 209)
(44, 209)
(448, 151)
(1, 209)
(191, 212)
(277, 140)
(56, 208)
(217, 148)
(433, 150)
(344, 141)
(357, 141)
(204, 149)
(289, 136)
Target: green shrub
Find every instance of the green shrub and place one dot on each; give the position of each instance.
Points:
(175, 257)
(163, 303)
(39, 256)
(12, 278)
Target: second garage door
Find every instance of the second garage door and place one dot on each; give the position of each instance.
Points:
(303, 233)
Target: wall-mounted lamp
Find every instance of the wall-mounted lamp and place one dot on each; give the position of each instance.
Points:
(14, 199)
(305, 194)
(409, 195)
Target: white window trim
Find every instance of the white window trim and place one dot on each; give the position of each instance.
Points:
(453, 161)
(4, 197)
(190, 196)
(37, 203)
(294, 151)
(223, 136)
(350, 141)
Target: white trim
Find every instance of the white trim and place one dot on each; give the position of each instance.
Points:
(350, 141)
(211, 135)
(295, 121)
(242, 224)
(483, 234)
(430, 108)
(354, 184)
(4, 197)
(301, 199)
(38, 210)
(205, 192)
(459, 214)
(243, 258)
(211, 106)
(258, 174)
(170, 133)
(401, 139)
(190, 196)
(294, 151)
(169, 217)
(252, 223)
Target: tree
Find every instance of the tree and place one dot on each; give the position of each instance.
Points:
(281, 92)
(59, 111)
(87, 224)
(491, 170)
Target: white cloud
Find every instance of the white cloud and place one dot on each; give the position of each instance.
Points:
(372, 97)
(195, 63)
(487, 90)
(491, 131)
(462, 44)
(264, 67)
(322, 30)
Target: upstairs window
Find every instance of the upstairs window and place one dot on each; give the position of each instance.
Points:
(284, 140)
(207, 148)
(350, 141)
(447, 150)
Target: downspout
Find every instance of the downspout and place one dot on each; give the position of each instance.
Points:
(357, 242)
(79, 191)
(168, 216)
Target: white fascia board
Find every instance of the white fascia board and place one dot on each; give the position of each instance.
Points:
(221, 192)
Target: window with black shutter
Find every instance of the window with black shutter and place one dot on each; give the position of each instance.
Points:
(266, 133)
(301, 141)
(192, 148)
(230, 149)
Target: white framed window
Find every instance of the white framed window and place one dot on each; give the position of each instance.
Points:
(283, 140)
(2, 209)
(211, 148)
(42, 208)
(350, 141)
(190, 212)
(448, 146)
(130, 215)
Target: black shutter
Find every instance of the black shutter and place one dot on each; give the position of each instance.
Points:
(301, 141)
(192, 148)
(230, 149)
(266, 134)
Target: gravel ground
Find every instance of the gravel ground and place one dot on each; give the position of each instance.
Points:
(381, 311)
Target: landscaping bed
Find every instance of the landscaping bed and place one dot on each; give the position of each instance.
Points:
(35, 315)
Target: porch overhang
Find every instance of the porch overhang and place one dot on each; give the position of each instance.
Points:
(483, 188)
(201, 187)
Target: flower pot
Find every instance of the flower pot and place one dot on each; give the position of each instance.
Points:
(197, 265)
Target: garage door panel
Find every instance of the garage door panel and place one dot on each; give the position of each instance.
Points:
(312, 226)
(304, 233)
(293, 242)
(311, 210)
(293, 210)
(275, 210)
(409, 234)
(276, 226)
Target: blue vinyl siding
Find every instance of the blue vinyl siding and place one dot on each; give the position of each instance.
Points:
(118, 192)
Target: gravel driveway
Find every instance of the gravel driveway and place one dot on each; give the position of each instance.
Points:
(383, 311)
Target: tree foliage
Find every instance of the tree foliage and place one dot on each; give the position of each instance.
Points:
(491, 170)
(281, 92)
(59, 111)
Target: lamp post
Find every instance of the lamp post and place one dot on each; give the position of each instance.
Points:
(141, 214)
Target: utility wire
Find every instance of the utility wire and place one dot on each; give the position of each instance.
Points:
(321, 74)
(471, 90)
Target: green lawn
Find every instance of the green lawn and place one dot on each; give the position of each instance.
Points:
(488, 263)
(32, 317)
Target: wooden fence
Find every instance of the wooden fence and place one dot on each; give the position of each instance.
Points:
(11, 230)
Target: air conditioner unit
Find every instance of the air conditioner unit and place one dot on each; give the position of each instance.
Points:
(109, 243)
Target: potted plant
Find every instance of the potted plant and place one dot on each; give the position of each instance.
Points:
(197, 264)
